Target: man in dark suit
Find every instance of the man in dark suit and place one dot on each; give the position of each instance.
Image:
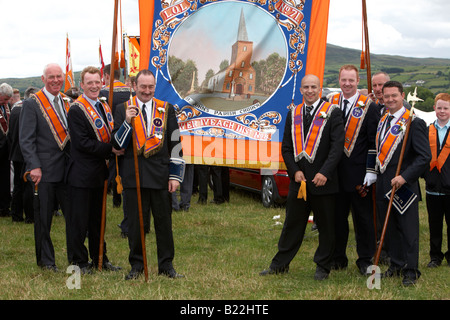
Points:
(22, 197)
(356, 168)
(314, 164)
(403, 228)
(6, 92)
(90, 123)
(45, 143)
(161, 169)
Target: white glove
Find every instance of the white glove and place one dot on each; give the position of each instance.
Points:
(370, 178)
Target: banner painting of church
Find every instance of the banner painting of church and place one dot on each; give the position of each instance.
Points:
(232, 70)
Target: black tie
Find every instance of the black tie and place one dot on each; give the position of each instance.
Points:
(100, 111)
(144, 114)
(308, 117)
(388, 124)
(344, 110)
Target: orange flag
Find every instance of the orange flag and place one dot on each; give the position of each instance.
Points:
(69, 72)
(102, 63)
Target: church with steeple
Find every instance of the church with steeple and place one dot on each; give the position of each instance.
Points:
(238, 79)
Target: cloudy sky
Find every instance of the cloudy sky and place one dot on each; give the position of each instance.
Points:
(33, 32)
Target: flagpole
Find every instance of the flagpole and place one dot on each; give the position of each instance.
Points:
(366, 42)
(110, 101)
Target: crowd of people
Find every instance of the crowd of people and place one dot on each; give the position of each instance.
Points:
(347, 153)
(344, 155)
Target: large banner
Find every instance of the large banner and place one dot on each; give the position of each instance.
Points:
(232, 69)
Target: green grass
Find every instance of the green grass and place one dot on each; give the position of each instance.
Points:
(220, 250)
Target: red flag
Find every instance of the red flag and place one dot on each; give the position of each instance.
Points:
(69, 72)
(102, 63)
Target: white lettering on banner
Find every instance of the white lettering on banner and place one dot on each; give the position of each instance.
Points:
(171, 12)
(290, 12)
(225, 124)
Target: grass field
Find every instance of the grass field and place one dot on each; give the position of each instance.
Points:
(219, 248)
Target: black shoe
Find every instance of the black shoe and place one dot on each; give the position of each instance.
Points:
(52, 268)
(434, 264)
(364, 269)
(171, 274)
(201, 201)
(124, 235)
(408, 281)
(217, 201)
(271, 271)
(134, 274)
(390, 273)
(321, 273)
(108, 266)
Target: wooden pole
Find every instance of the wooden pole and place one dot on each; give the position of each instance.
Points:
(138, 192)
(110, 102)
(367, 50)
(399, 166)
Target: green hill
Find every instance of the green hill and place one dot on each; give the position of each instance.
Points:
(429, 73)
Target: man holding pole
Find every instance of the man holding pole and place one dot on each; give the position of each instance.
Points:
(151, 170)
(90, 123)
(402, 226)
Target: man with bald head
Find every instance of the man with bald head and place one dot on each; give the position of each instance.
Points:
(312, 147)
(44, 141)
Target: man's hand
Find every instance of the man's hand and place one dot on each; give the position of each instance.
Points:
(36, 175)
(119, 152)
(319, 180)
(173, 185)
(299, 177)
(131, 112)
(398, 182)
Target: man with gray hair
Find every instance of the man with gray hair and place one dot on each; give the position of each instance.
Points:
(6, 92)
(44, 141)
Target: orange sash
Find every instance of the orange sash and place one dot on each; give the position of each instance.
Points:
(387, 146)
(57, 127)
(307, 146)
(356, 117)
(4, 121)
(438, 161)
(150, 142)
(102, 130)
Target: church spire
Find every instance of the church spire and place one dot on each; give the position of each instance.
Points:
(242, 31)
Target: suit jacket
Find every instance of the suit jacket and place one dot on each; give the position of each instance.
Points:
(87, 167)
(154, 170)
(327, 157)
(4, 145)
(15, 154)
(416, 160)
(121, 94)
(38, 145)
(353, 169)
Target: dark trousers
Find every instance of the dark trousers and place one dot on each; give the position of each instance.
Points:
(221, 183)
(22, 196)
(49, 193)
(362, 214)
(203, 179)
(297, 214)
(402, 237)
(85, 216)
(158, 203)
(185, 190)
(438, 207)
(5, 184)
